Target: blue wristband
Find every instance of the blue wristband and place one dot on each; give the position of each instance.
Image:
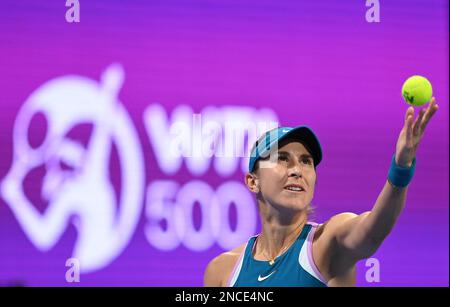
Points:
(401, 176)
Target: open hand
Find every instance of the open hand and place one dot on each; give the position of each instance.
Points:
(412, 133)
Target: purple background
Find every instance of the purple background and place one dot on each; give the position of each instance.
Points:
(317, 63)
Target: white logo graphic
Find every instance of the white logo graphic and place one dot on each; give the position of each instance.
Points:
(260, 278)
(285, 130)
(105, 222)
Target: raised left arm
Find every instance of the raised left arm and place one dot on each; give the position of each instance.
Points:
(359, 236)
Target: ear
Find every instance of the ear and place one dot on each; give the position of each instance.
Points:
(252, 182)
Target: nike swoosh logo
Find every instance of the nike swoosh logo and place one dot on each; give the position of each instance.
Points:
(284, 130)
(260, 278)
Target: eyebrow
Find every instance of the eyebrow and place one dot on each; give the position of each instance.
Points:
(305, 155)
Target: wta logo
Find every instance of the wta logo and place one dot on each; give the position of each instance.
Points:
(80, 186)
(76, 185)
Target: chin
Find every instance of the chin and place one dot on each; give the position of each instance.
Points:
(295, 205)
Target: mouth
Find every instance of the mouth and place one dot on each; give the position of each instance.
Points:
(296, 188)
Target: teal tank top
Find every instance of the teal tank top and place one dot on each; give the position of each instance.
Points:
(293, 268)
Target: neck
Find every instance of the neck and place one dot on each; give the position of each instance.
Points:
(278, 233)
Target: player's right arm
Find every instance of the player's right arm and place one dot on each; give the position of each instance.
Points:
(219, 270)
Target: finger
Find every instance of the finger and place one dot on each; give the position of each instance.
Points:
(432, 101)
(429, 114)
(408, 116)
(432, 108)
(409, 130)
(409, 112)
(418, 122)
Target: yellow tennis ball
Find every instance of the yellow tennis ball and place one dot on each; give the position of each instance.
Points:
(417, 90)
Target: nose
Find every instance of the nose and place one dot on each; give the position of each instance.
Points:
(294, 170)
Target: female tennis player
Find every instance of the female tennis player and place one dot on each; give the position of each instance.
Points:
(291, 250)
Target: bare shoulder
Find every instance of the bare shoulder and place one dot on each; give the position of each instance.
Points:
(220, 268)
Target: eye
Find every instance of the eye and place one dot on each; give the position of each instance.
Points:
(282, 158)
(307, 160)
